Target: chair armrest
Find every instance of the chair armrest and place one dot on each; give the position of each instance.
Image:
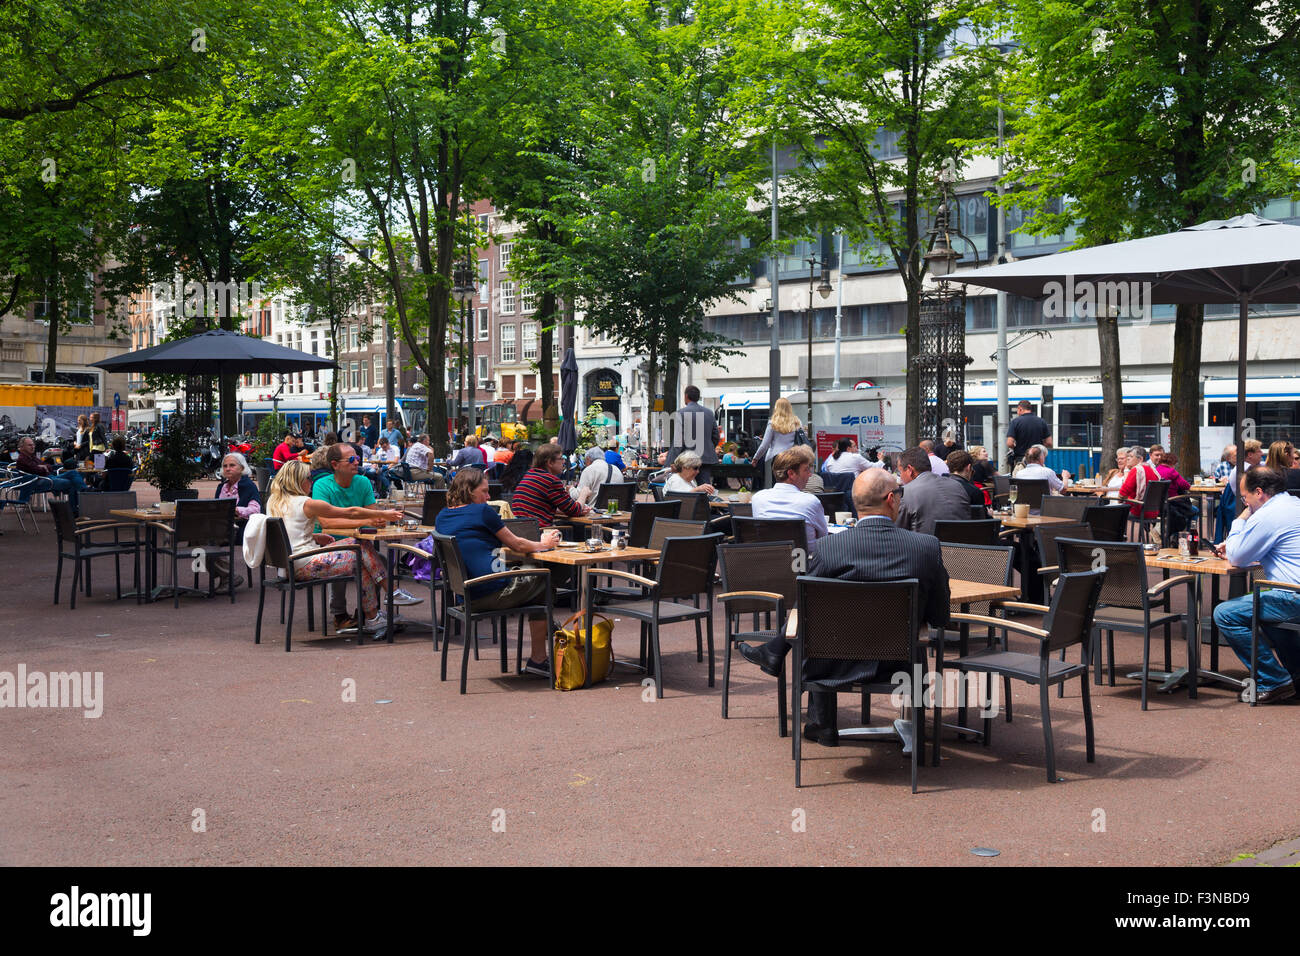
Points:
(1164, 586)
(394, 546)
(92, 529)
(1180, 498)
(792, 625)
(512, 573)
(160, 526)
(1050, 569)
(1131, 501)
(624, 575)
(1009, 533)
(312, 552)
(1025, 606)
(1281, 585)
(769, 595)
(999, 622)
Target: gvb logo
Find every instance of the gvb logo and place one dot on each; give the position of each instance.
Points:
(75, 909)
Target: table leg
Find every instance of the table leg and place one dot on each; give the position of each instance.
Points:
(391, 574)
(586, 618)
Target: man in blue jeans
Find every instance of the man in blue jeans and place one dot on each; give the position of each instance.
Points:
(66, 482)
(1267, 532)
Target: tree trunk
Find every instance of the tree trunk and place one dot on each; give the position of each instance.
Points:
(1184, 389)
(545, 364)
(912, 423)
(672, 371)
(1112, 391)
(53, 289)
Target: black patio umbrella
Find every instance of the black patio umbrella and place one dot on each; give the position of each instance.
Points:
(568, 402)
(215, 352)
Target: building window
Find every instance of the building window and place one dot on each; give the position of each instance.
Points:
(484, 289)
(527, 297)
(530, 341)
(379, 371)
(482, 368)
(483, 325)
(507, 298)
(484, 222)
(507, 343)
(365, 374)
(505, 249)
(355, 376)
(530, 386)
(508, 386)
(555, 344)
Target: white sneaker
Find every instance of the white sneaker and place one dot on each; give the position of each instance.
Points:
(403, 598)
(379, 623)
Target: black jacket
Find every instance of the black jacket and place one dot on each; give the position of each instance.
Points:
(247, 491)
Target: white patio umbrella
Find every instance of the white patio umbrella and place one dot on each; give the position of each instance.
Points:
(1244, 260)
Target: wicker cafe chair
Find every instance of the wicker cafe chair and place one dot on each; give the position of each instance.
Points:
(1106, 521)
(1152, 500)
(1045, 536)
(1127, 604)
(199, 526)
(435, 499)
(1065, 506)
(661, 529)
(685, 570)
(76, 544)
(1257, 631)
(695, 504)
(740, 509)
(279, 557)
(622, 491)
(825, 604)
(984, 531)
(460, 609)
(791, 530)
(832, 501)
(643, 518)
(1069, 621)
(756, 578)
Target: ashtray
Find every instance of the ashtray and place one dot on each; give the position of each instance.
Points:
(366, 529)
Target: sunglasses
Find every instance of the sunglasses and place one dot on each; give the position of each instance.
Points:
(353, 460)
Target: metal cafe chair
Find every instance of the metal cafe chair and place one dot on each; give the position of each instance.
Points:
(1257, 631)
(279, 557)
(983, 531)
(76, 544)
(695, 504)
(199, 526)
(622, 491)
(1069, 621)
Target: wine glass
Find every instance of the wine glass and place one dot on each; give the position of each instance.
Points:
(1012, 493)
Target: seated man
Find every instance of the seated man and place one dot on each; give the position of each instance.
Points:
(418, 465)
(1267, 532)
(287, 449)
(960, 466)
(389, 456)
(937, 464)
(597, 472)
(118, 458)
(471, 454)
(927, 497)
(1034, 468)
(787, 499)
(873, 550)
(66, 482)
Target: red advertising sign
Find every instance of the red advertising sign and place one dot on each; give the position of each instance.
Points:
(119, 420)
(826, 444)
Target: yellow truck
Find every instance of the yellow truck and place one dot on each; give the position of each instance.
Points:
(22, 395)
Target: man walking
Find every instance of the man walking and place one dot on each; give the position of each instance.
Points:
(1025, 431)
(696, 429)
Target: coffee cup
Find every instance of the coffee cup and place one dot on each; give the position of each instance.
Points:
(842, 517)
(167, 508)
(1022, 511)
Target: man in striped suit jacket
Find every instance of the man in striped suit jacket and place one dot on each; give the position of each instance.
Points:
(874, 550)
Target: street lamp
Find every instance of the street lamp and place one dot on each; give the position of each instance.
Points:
(824, 290)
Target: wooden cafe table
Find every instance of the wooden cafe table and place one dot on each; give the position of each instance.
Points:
(391, 535)
(582, 559)
(1168, 559)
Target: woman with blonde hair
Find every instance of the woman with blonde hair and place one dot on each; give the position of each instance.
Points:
(81, 444)
(783, 432)
(290, 499)
(1282, 459)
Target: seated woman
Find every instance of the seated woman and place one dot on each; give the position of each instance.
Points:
(520, 461)
(732, 456)
(237, 482)
(290, 499)
(1282, 459)
(479, 533)
(685, 468)
(1168, 470)
(845, 459)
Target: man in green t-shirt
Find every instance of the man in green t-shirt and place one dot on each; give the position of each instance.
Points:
(344, 488)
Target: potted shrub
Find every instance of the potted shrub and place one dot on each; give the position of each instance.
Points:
(170, 464)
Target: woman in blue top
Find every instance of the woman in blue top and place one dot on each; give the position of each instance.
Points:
(480, 532)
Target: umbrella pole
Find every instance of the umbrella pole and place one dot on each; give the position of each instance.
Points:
(1238, 433)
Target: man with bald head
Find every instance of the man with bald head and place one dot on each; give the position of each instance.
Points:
(876, 549)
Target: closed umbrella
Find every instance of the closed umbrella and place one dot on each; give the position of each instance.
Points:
(568, 402)
(1240, 260)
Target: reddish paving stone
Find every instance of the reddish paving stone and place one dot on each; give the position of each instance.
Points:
(198, 717)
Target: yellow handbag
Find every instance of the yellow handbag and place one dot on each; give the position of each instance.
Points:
(570, 652)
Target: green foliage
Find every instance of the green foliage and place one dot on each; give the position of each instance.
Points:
(270, 432)
(171, 464)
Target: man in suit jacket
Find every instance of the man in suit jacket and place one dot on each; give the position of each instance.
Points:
(696, 429)
(874, 550)
(927, 497)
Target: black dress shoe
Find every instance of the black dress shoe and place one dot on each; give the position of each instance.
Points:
(1277, 695)
(826, 736)
(758, 654)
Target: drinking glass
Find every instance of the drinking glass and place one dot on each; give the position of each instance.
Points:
(1012, 493)
(611, 506)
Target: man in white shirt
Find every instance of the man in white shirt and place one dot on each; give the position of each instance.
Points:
(937, 465)
(787, 499)
(1034, 468)
(597, 472)
(418, 458)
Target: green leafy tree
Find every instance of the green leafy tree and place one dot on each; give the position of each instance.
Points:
(1147, 118)
(840, 81)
